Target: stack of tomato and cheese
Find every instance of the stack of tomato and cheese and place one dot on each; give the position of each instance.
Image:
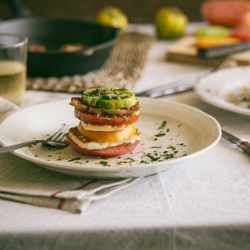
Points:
(107, 116)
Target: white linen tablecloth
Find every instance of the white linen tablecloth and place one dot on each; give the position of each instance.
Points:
(200, 203)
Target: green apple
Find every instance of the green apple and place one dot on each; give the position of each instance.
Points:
(170, 22)
(112, 16)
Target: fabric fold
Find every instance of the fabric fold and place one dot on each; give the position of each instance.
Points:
(25, 182)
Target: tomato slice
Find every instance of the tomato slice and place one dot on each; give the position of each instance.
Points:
(109, 97)
(106, 152)
(104, 119)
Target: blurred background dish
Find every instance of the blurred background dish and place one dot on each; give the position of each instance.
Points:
(48, 35)
(227, 89)
(139, 11)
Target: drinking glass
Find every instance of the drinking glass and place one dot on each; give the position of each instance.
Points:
(13, 61)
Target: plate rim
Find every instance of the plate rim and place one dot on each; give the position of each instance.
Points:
(221, 103)
(54, 165)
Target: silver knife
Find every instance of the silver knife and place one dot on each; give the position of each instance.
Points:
(239, 142)
(217, 51)
(186, 84)
(164, 90)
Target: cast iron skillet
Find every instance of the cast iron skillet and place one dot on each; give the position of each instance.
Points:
(54, 32)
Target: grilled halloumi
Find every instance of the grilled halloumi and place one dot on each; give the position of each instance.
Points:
(89, 144)
(101, 127)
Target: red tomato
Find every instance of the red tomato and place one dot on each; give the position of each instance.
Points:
(105, 152)
(224, 12)
(106, 120)
(241, 32)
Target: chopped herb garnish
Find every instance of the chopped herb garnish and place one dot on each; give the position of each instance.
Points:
(75, 159)
(142, 161)
(163, 125)
(104, 163)
(126, 118)
(126, 160)
(130, 159)
(153, 158)
(171, 147)
(168, 156)
(120, 162)
(160, 135)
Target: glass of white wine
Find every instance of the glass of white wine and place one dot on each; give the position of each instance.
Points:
(13, 63)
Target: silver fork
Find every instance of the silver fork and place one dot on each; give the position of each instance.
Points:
(58, 139)
(184, 84)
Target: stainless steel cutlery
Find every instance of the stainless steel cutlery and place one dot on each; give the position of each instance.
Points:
(239, 142)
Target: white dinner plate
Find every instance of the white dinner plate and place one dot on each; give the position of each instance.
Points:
(187, 132)
(215, 87)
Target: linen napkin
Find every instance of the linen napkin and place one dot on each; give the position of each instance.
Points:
(25, 182)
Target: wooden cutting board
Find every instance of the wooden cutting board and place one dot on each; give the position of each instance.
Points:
(184, 51)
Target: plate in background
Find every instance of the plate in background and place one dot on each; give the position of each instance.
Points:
(215, 87)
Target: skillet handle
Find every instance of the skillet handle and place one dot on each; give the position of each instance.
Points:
(18, 9)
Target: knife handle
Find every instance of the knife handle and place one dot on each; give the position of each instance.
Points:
(245, 146)
(223, 50)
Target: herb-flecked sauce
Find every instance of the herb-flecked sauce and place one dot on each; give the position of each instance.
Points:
(162, 142)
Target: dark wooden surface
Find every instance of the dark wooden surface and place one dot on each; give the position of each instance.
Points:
(138, 11)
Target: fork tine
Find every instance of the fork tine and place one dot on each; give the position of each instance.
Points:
(60, 141)
(62, 135)
(59, 138)
(60, 132)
